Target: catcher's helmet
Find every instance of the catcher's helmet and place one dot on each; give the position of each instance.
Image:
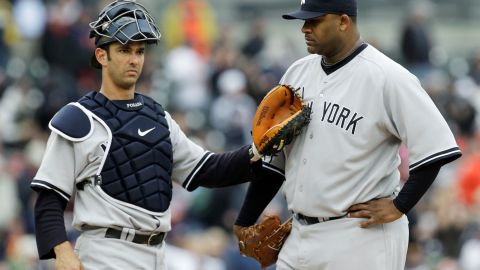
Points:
(123, 21)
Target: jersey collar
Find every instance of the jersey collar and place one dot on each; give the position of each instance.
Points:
(134, 104)
(329, 69)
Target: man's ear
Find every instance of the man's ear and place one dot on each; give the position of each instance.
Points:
(345, 22)
(101, 56)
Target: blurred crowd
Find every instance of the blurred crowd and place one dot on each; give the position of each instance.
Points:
(211, 84)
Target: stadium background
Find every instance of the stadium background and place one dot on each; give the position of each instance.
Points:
(215, 61)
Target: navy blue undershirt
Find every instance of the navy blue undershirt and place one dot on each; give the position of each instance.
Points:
(49, 223)
(416, 186)
(222, 170)
(261, 191)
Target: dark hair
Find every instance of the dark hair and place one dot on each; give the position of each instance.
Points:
(106, 48)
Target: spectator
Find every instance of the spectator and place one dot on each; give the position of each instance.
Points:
(232, 112)
(469, 254)
(415, 41)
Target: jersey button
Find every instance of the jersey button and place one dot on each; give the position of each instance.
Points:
(304, 161)
(300, 188)
(311, 135)
(321, 95)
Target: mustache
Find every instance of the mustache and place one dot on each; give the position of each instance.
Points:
(309, 38)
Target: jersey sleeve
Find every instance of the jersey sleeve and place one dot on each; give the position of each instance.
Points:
(187, 155)
(57, 169)
(416, 121)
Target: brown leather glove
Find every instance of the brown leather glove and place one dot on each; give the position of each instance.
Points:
(280, 117)
(263, 241)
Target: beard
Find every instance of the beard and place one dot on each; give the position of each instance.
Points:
(123, 81)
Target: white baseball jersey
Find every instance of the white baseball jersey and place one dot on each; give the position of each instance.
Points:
(362, 112)
(67, 163)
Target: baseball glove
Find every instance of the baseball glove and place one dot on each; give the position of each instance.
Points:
(279, 118)
(263, 241)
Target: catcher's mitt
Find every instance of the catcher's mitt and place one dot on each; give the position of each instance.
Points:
(279, 118)
(263, 241)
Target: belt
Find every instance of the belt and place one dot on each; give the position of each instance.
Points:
(147, 239)
(306, 220)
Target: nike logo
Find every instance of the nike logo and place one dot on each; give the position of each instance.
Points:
(143, 133)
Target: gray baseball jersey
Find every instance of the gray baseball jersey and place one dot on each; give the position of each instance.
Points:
(68, 161)
(362, 112)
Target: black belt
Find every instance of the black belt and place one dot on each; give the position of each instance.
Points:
(306, 220)
(147, 239)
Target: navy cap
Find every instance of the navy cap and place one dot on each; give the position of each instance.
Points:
(310, 9)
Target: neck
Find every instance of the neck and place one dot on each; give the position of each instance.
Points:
(115, 92)
(344, 53)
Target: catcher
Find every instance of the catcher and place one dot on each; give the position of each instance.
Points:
(280, 117)
(117, 153)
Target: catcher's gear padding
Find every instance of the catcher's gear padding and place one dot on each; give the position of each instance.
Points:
(137, 169)
(72, 123)
(263, 241)
(280, 117)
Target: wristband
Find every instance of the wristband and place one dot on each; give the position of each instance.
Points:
(253, 153)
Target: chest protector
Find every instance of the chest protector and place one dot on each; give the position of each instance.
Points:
(138, 165)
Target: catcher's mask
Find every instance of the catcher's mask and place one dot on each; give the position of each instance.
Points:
(123, 21)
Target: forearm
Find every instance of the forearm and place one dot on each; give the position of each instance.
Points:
(260, 193)
(63, 249)
(416, 186)
(49, 223)
(66, 257)
(225, 169)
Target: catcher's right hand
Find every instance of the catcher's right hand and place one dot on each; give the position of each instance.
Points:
(263, 241)
(280, 117)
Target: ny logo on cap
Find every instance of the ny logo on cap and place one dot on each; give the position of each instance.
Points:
(302, 2)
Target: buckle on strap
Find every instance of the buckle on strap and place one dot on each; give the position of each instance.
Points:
(153, 239)
(95, 180)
